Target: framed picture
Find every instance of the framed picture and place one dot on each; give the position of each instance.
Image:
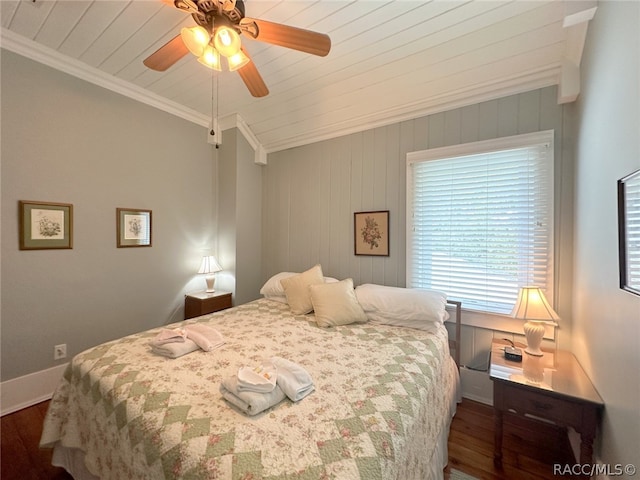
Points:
(133, 227)
(628, 232)
(45, 225)
(371, 233)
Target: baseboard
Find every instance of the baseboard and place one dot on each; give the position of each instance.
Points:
(25, 391)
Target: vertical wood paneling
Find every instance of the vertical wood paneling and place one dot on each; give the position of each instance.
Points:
(435, 130)
(529, 112)
(453, 127)
(420, 136)
(469, 124)
(394, 180)
(341, 241)
(488, 120)
(508, 116)
(357, 160)
(324, 216)
(313, 190)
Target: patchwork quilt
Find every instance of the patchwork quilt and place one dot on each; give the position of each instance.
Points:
(382, 397)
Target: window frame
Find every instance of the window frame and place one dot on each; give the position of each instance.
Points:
(474, 317)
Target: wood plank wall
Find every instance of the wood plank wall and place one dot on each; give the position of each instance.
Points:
(310, 193)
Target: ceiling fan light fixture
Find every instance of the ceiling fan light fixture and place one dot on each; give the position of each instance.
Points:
(210, 58)
(195, 39)
(227, 41)
(237, 61)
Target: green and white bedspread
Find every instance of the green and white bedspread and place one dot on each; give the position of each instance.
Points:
(383, 395)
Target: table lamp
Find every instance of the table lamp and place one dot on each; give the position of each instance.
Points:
(533, 307)
(210, 266)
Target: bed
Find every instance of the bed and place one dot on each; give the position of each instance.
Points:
(383, 401)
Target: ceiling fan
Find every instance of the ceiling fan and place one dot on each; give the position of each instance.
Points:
(217, 35)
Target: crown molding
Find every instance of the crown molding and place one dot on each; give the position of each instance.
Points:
(52, 58)
(47, 56)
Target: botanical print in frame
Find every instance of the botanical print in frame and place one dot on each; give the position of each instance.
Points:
(371, 233)
(45, 225)
(133, 227)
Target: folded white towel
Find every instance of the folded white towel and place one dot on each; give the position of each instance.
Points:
(207, 338)
(261, 379)
(169, 335)
(250, 403)
(294, 380)
(175, 349)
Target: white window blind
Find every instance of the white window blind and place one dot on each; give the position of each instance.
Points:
(630, 275)
(480, 220)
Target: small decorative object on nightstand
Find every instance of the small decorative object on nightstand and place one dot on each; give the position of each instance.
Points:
(202, 303)
(550, 388)
(533, 307)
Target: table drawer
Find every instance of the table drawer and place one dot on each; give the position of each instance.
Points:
(215, 304)
(564, 412)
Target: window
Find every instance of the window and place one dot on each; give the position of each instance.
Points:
(480, 220)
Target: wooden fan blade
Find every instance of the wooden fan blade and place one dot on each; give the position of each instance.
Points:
(167, 55)
(252, 79)
(286, 36)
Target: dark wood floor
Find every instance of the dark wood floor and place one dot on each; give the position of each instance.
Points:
(470, 447)
(530, 449)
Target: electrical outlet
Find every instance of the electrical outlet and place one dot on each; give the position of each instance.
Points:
(60, 351)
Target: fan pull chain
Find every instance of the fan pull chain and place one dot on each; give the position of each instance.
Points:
(214, 104)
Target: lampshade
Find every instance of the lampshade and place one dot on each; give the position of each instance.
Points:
(210, 58)
(533, 306)
(195, 39)
(227, 41)
(237, 61)
(210, 266)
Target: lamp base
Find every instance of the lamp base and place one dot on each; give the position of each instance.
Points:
(535, 353)
(533, 332)
(210, 281)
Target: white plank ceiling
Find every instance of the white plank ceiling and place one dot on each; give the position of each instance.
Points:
(390, 60)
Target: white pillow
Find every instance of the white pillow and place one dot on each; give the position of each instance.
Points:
(273, 287)
(296, 289)
(277, 298)
(405, 307)
(336, 304)
(273, 290)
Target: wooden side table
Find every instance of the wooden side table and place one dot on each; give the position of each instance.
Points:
(202, 303)
(553, 387)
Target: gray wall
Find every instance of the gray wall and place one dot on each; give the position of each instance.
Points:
(311, 193)
(607, 319)
(65, 140)
(239, 218)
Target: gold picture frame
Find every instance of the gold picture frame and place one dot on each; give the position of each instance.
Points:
(371, 233)
(133, 227)
(45, 225)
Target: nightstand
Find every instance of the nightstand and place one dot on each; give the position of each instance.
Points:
(553, 388)
(201, 303)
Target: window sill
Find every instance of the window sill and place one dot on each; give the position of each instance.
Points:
(501, 323)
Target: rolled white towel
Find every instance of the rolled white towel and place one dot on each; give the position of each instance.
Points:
(207, 338)
(250, 403)
(294, 380)
(261, 379)
(175, 349)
